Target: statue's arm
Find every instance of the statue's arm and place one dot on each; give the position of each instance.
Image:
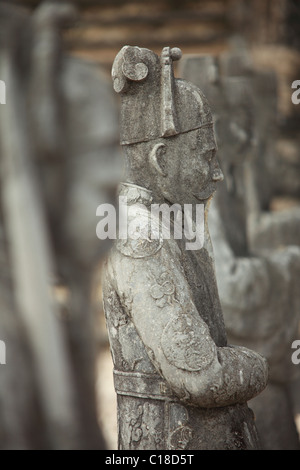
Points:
(245, 292)
(178, 341)
(243, 285)
(253, 309)
(272, 230)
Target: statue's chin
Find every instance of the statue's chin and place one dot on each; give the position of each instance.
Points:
(206, 195)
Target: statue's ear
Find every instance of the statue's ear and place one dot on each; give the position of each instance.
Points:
(128, 66)
(157, 158)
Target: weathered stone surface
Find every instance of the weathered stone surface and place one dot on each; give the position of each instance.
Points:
(259, 294)
(179, 384)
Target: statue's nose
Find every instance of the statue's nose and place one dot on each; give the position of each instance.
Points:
(217, 175)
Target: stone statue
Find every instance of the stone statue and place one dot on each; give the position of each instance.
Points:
(266, 229)
(259, 294)
(179, 384)
(59, 156)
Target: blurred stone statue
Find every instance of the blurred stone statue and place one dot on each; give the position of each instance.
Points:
(259, 293)
(179, 384)
(267, 229)
(59, 161)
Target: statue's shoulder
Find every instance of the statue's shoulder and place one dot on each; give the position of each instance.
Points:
(139, 248)
(143, 237)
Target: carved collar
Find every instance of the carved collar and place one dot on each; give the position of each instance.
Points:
(135, 194)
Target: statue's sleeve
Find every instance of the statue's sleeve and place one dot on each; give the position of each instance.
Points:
(176, 338)
(248, 290)
(272, 230)
(245, 290)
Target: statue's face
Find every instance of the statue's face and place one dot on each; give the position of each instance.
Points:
(192, 168)
(235, 126)
(235, 135)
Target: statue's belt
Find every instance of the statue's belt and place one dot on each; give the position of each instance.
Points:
(137, 384)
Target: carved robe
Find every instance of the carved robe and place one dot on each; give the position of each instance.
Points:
(179, 385)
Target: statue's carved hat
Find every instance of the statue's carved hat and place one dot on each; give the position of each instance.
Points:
(154, 103)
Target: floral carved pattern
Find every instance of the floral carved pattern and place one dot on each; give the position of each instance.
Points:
(181, 437)
(163, 291)
(118, 316)
(143, 426)
(134, 422)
